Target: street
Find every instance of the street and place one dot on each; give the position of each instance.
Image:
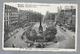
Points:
(65, 39)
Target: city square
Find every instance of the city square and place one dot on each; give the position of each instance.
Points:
(32, 27)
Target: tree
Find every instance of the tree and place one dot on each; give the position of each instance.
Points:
(50, 33)
(32, 35)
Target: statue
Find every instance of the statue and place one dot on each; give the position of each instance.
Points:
(40, 28)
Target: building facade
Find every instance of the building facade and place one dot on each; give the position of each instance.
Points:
(10, 19)
(67, 18)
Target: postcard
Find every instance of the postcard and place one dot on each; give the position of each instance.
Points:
(39, 27)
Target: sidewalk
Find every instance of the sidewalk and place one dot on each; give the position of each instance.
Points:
(69, 32)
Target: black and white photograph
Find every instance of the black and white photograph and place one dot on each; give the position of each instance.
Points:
(39, 26)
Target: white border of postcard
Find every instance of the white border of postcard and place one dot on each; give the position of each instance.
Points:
(40, 49)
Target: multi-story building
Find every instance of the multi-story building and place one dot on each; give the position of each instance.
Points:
(10, 18)
(30, 15)
(67, 18)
